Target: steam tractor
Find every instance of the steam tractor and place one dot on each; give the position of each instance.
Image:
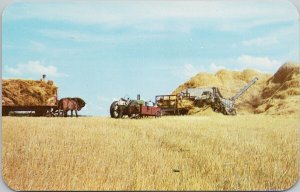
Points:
(133, 108)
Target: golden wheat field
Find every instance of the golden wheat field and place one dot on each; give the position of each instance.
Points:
(244, 152)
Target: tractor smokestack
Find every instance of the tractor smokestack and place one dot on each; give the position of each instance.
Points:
(138, 97)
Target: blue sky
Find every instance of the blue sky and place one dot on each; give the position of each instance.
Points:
(101, 50)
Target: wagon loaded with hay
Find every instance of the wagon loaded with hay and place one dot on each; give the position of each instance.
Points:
(36, 97)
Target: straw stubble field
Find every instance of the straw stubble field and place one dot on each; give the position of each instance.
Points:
(245, 152)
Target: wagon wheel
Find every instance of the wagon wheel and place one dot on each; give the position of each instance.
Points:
(48, 113)
(54, 113)
(184, 111)
(58, 112)
(5, 112)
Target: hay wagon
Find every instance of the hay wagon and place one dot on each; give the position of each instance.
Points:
(174, 104)
(36, 98)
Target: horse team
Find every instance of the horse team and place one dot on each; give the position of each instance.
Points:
(70, 104)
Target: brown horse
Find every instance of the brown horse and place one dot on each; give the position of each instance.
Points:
(66, 104)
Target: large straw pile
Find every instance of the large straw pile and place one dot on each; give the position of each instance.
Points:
(277, 94)
(281, 95)
(28, 92)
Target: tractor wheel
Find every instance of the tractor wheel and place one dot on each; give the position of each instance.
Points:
(133, 109)
(120, 111)
(113, 109)
(133, 115)
(117, 111)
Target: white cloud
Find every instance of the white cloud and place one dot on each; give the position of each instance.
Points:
(189, 70)
(262, 63)
(246, 14)
(86, 37)
(70, 35)
(34, 68)
(258, 63)
(36, 46)
(244, 23)
(260, 41)
(279, 37)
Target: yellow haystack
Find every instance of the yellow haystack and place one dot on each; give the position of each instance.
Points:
(277, 94)
(28, 92)
(281, 94)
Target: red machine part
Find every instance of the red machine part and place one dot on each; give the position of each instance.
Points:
(150, 111)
